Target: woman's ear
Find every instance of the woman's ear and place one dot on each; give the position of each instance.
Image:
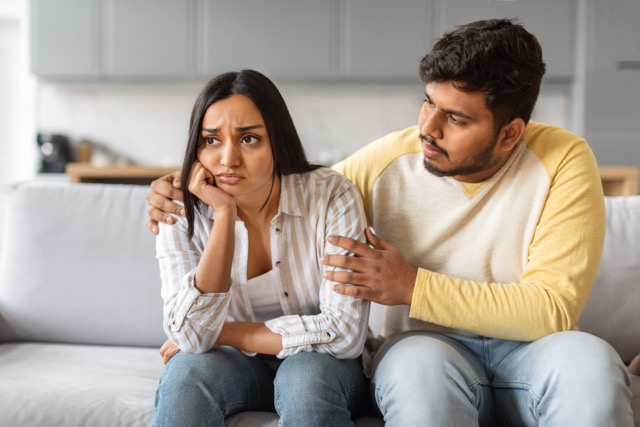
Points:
(510, 134)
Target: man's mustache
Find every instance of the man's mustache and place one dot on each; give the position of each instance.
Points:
(432, 142)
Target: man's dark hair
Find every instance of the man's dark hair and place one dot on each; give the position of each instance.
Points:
(497, 57)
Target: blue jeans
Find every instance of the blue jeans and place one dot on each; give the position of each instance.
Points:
(564, 379)
(306, 389)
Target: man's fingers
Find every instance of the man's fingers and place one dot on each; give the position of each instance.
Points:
(350, 262)
(156, 201)
(354, 246)
(166, 187)
(347, 277)
(152, 226)
(375, 241)
(355, 291)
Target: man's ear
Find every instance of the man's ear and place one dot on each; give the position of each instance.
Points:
(510, 134)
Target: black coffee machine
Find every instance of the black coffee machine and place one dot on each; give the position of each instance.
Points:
(55, 152)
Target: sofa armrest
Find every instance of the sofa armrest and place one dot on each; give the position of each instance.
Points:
(612, 309)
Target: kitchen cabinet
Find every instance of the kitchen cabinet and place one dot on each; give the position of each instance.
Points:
(317, 40)
(385, 40)
(612, 81)
(283, 38)
(553, 22)
(65, 37)
(148, 38)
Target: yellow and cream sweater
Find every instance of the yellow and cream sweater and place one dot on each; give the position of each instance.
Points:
(513, 257)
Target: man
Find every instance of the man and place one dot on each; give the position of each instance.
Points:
(493, 229)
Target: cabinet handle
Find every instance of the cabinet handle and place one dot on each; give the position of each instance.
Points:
(628, 65)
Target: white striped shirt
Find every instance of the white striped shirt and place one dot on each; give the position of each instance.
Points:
(312, 206)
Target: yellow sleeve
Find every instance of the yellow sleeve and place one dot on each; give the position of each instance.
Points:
(562, 260)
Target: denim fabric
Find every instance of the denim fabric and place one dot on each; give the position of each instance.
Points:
(564, 379)
(310, 389)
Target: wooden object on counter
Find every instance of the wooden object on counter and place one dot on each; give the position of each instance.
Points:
(130, 174)
(619, 180)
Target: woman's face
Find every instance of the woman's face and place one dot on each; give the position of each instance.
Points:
(235, 148)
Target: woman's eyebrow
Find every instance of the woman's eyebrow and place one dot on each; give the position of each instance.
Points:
(240, 129)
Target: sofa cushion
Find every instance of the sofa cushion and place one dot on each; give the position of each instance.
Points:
(78, 266)
(613, 309)
(45, 385)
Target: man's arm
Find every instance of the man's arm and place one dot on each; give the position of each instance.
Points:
(160, 201)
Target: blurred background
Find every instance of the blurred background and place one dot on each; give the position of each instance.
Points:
(110, 83)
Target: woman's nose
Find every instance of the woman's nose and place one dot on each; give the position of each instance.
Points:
(230, 155)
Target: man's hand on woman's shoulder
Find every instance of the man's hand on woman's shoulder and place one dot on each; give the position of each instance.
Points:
(162, 193)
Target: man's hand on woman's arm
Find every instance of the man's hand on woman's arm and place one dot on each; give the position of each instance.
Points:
(160, 201)
(378, 271)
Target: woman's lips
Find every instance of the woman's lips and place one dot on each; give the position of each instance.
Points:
(228, 178)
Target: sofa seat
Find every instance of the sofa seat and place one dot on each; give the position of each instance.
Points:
(44, 385)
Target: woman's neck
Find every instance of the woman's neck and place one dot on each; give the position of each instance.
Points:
(256, 211)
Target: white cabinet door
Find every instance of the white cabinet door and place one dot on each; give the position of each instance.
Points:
(385, 39)
(612, 84)
(149, 38)
(553, 22)
(65, 37)
(282, 38)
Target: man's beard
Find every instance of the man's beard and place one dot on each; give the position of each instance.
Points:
(470, 165)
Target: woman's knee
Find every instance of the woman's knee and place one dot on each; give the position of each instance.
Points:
(317, 370)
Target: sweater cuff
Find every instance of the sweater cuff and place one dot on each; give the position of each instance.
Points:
(420, 299)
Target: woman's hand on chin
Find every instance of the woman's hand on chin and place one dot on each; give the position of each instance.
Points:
(202, 185)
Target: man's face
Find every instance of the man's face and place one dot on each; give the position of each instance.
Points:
(458, 134)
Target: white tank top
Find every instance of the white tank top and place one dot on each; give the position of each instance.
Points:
(263, 295)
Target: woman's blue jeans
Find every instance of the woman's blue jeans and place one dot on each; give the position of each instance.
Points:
(563, 379)
(306, 389)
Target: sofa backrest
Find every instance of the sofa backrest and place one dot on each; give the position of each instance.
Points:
(77, 265)
(613, 309)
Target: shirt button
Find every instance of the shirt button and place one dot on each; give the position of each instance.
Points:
(278, 263)
(285, 294)
(326, 336)
(278, 231)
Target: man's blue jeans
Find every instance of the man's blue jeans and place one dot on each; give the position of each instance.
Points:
(564, 379)
(306, 389)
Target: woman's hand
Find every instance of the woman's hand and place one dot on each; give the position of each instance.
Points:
(202, 185)
(168, 350)
(160, 201)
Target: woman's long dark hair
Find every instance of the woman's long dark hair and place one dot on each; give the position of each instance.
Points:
(286, 146)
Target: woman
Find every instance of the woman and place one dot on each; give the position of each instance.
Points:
(251, 324)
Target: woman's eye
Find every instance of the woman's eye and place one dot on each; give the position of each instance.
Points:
(249, 139)
(209, 140)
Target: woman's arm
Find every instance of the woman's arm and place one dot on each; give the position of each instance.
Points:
(340, 327)
(251, 337)
(196, 271)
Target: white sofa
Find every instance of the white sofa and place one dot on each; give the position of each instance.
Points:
(80, 307)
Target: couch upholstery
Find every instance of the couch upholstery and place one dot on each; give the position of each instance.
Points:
(80, 307)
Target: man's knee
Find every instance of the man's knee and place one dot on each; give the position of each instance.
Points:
(582, 358)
